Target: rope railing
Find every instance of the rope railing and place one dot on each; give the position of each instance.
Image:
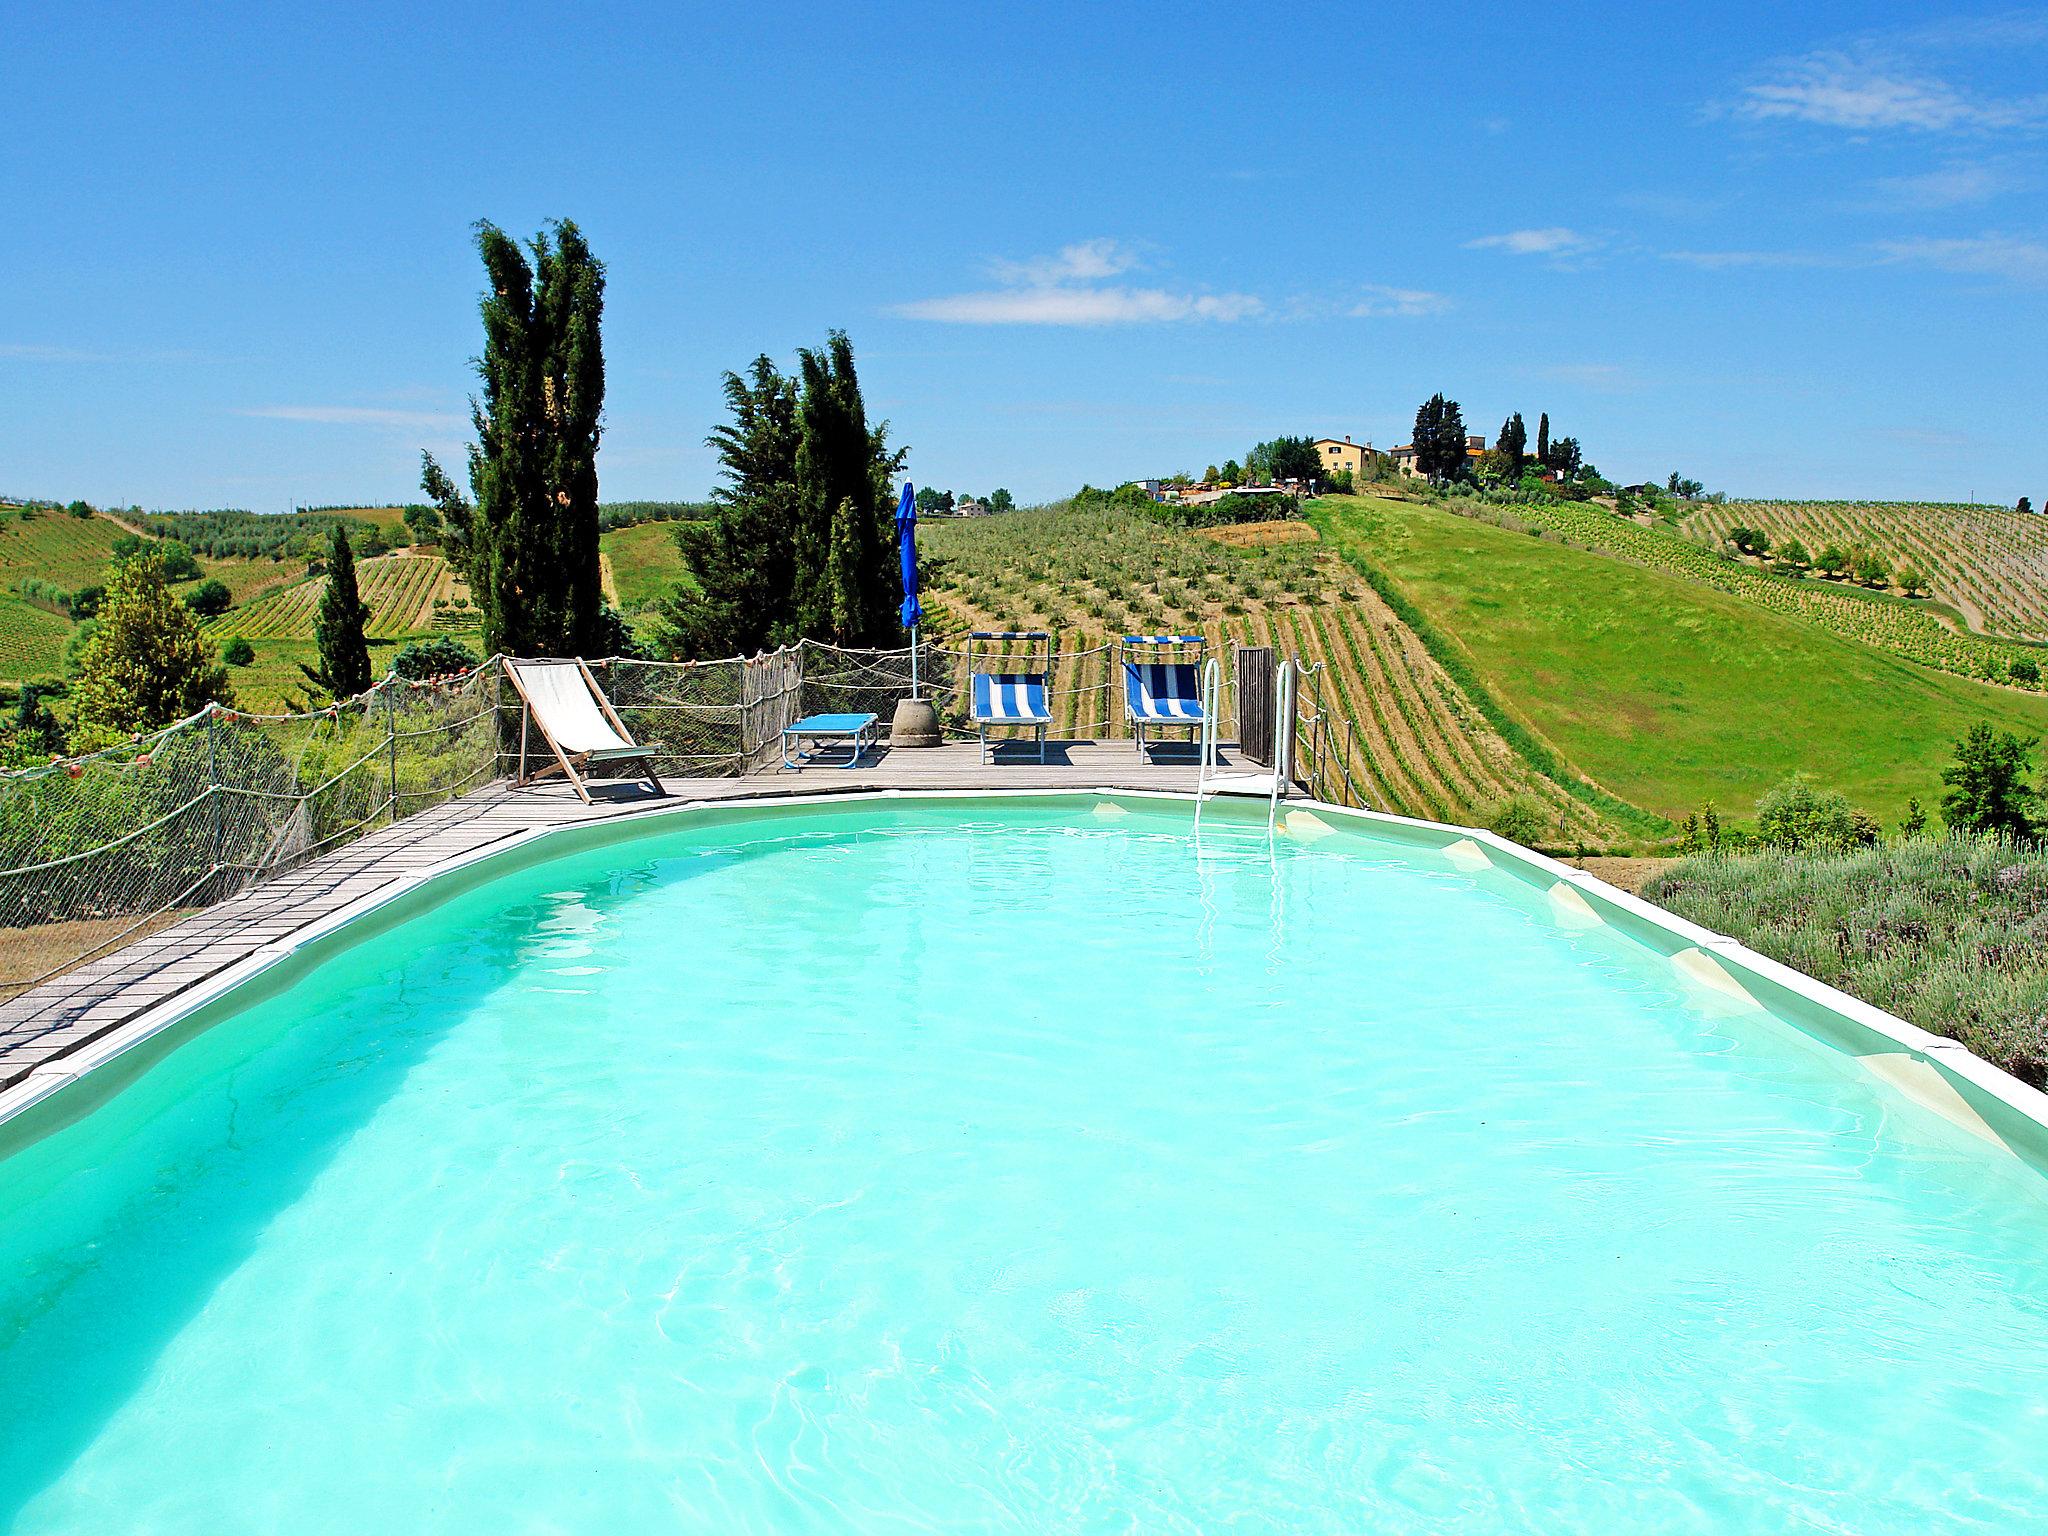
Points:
(97, 850)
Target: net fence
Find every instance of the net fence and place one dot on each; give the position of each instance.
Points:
(98, 851)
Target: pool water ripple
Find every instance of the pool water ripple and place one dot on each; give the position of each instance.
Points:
(941, 1167)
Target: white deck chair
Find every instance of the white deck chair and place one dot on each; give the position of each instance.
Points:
(576, 720)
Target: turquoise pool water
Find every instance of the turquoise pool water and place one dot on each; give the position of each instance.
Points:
(1013, 1167)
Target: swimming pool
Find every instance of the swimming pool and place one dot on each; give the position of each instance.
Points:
(1014, 1165)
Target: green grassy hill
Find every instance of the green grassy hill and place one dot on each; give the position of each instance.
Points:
(1897, 624)
(70, 552)
(641, 564)
(410, 596)
(1669, 691)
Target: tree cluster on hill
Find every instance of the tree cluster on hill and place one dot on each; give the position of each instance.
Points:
(527, 542)
(1444, 457)
(801, 542)
(240, 535)
(1439, 440)
(1129, 494)
(175, 555)
(631, 514)
(1283, 459)
(933, 502)
(210, 598)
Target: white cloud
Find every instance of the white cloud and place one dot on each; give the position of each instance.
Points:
(1084, 261)
(1952, 186)
(359, 416)
(1069, 289)
(1869, 90)
(1380, 301)
(1555, 241)
(2020, 261)
(1715, 261)
(1991, 255)
(28, 352)
(1068, 305)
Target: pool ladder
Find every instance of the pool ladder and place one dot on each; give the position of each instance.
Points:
(1213, 779)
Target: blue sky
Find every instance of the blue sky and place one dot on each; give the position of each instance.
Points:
(1791, 250)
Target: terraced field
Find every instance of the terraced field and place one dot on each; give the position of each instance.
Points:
(400, 590)
(31, 641)
(1988, 563)
(1894, 625)
(71, 552)
(1407, 735)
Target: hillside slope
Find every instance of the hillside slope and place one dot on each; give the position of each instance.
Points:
(1904, 627)
(69, 552)
(1988, 563)
(642, 563)
(1670, 691)
(1420, 746)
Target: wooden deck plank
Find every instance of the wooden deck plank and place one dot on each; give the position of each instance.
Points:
(50, 1021)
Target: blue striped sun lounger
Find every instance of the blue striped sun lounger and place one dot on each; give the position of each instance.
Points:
(1160, 693)
(1015, 699)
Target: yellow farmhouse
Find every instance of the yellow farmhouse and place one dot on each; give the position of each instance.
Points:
(1337, 454)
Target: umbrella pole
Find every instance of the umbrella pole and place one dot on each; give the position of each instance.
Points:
(913, 661)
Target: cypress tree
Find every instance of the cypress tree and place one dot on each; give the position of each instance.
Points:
(528, 543)
(1543, 439)
(847, 586)
(1514, 442)
(1429, 418)
(1440, 439)
(743, 559)
(844, 578)
(1451, 443)
(338, 627)
(803, 543)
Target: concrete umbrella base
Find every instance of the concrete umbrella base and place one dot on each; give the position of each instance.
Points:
(916, 724)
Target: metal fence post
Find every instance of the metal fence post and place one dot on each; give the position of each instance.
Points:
(391, 725)
(220, 835)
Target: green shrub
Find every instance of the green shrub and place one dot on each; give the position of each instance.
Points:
(237, 652)
(1520, 820)
(1944, 931)
(210, 598)
(1795, 814)
(1989, 784)
(438, 657)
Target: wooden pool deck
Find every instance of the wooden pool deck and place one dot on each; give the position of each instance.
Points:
(44, 1025)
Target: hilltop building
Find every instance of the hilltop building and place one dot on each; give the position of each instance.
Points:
(1405, 456)
(1342, 453)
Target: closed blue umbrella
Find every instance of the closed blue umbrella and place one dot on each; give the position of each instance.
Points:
(906, 542)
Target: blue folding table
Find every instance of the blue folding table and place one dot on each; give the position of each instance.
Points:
(855, 732)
